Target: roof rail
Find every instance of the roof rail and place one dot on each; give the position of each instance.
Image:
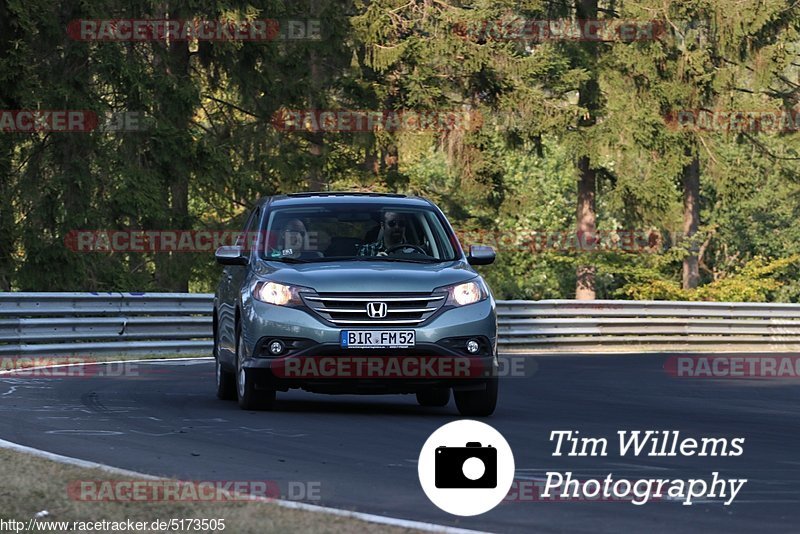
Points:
(344, 193)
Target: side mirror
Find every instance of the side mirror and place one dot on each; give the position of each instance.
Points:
(231, 255)
(480, 255)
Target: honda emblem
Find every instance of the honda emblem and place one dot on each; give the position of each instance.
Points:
(377, 310)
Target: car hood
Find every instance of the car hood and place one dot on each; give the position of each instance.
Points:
(367, 276)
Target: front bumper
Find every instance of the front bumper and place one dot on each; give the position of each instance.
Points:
(314, 360)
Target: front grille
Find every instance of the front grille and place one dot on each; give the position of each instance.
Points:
(350, 309)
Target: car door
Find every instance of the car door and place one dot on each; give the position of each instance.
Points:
(238, 273)
(230, 285)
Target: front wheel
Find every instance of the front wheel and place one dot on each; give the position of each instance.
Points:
(226, 381)
(249, 397)
(480, 403)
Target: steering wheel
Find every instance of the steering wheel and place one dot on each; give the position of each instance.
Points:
(398, 247)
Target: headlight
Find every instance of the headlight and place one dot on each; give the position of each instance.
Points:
(278, 294)
(466, 293)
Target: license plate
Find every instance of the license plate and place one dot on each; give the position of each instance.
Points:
(377, 339)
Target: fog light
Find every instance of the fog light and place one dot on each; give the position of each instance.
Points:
(275, 347)
(473, 346)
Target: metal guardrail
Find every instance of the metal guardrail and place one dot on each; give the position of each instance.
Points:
(647, 326)
(105, 323)
(153, 323)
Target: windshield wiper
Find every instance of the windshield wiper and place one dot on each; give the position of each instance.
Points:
(288, 260)
(358, 258)
(396, 258)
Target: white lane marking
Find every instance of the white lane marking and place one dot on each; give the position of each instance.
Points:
(157, 435)
(591, 469)
(640, 467)
(369, 518)
(195, 360)
(28, 383)
(785, 501)
(82, 408)
(86, 432)
(271, 432)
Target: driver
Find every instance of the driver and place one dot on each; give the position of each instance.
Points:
(392, 234)
(291, 240)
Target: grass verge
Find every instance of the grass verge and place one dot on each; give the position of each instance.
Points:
(32, 484)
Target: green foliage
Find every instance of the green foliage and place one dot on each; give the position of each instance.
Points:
(759, 280)
(210, 148)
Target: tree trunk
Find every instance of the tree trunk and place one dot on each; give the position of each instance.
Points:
(316, 148)
(173, 268)
(72, 176)
(587, 176)
(7, 181)
(691, 220)
(391, 165)
(7, 225)
(371, 165)
(316, 140)
(587, 225)
(390, 155)
(180, 266)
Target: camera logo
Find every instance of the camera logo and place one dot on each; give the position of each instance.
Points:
(472, 466)
(466, 467)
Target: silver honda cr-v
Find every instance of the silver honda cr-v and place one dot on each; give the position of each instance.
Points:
(354, 293)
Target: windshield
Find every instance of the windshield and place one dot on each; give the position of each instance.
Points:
(356, 232)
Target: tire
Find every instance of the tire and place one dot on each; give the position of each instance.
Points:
(480, 403)
(226, 381)
(248, 396)
(434, 397)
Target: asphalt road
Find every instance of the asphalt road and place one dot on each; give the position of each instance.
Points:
(165, 420)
